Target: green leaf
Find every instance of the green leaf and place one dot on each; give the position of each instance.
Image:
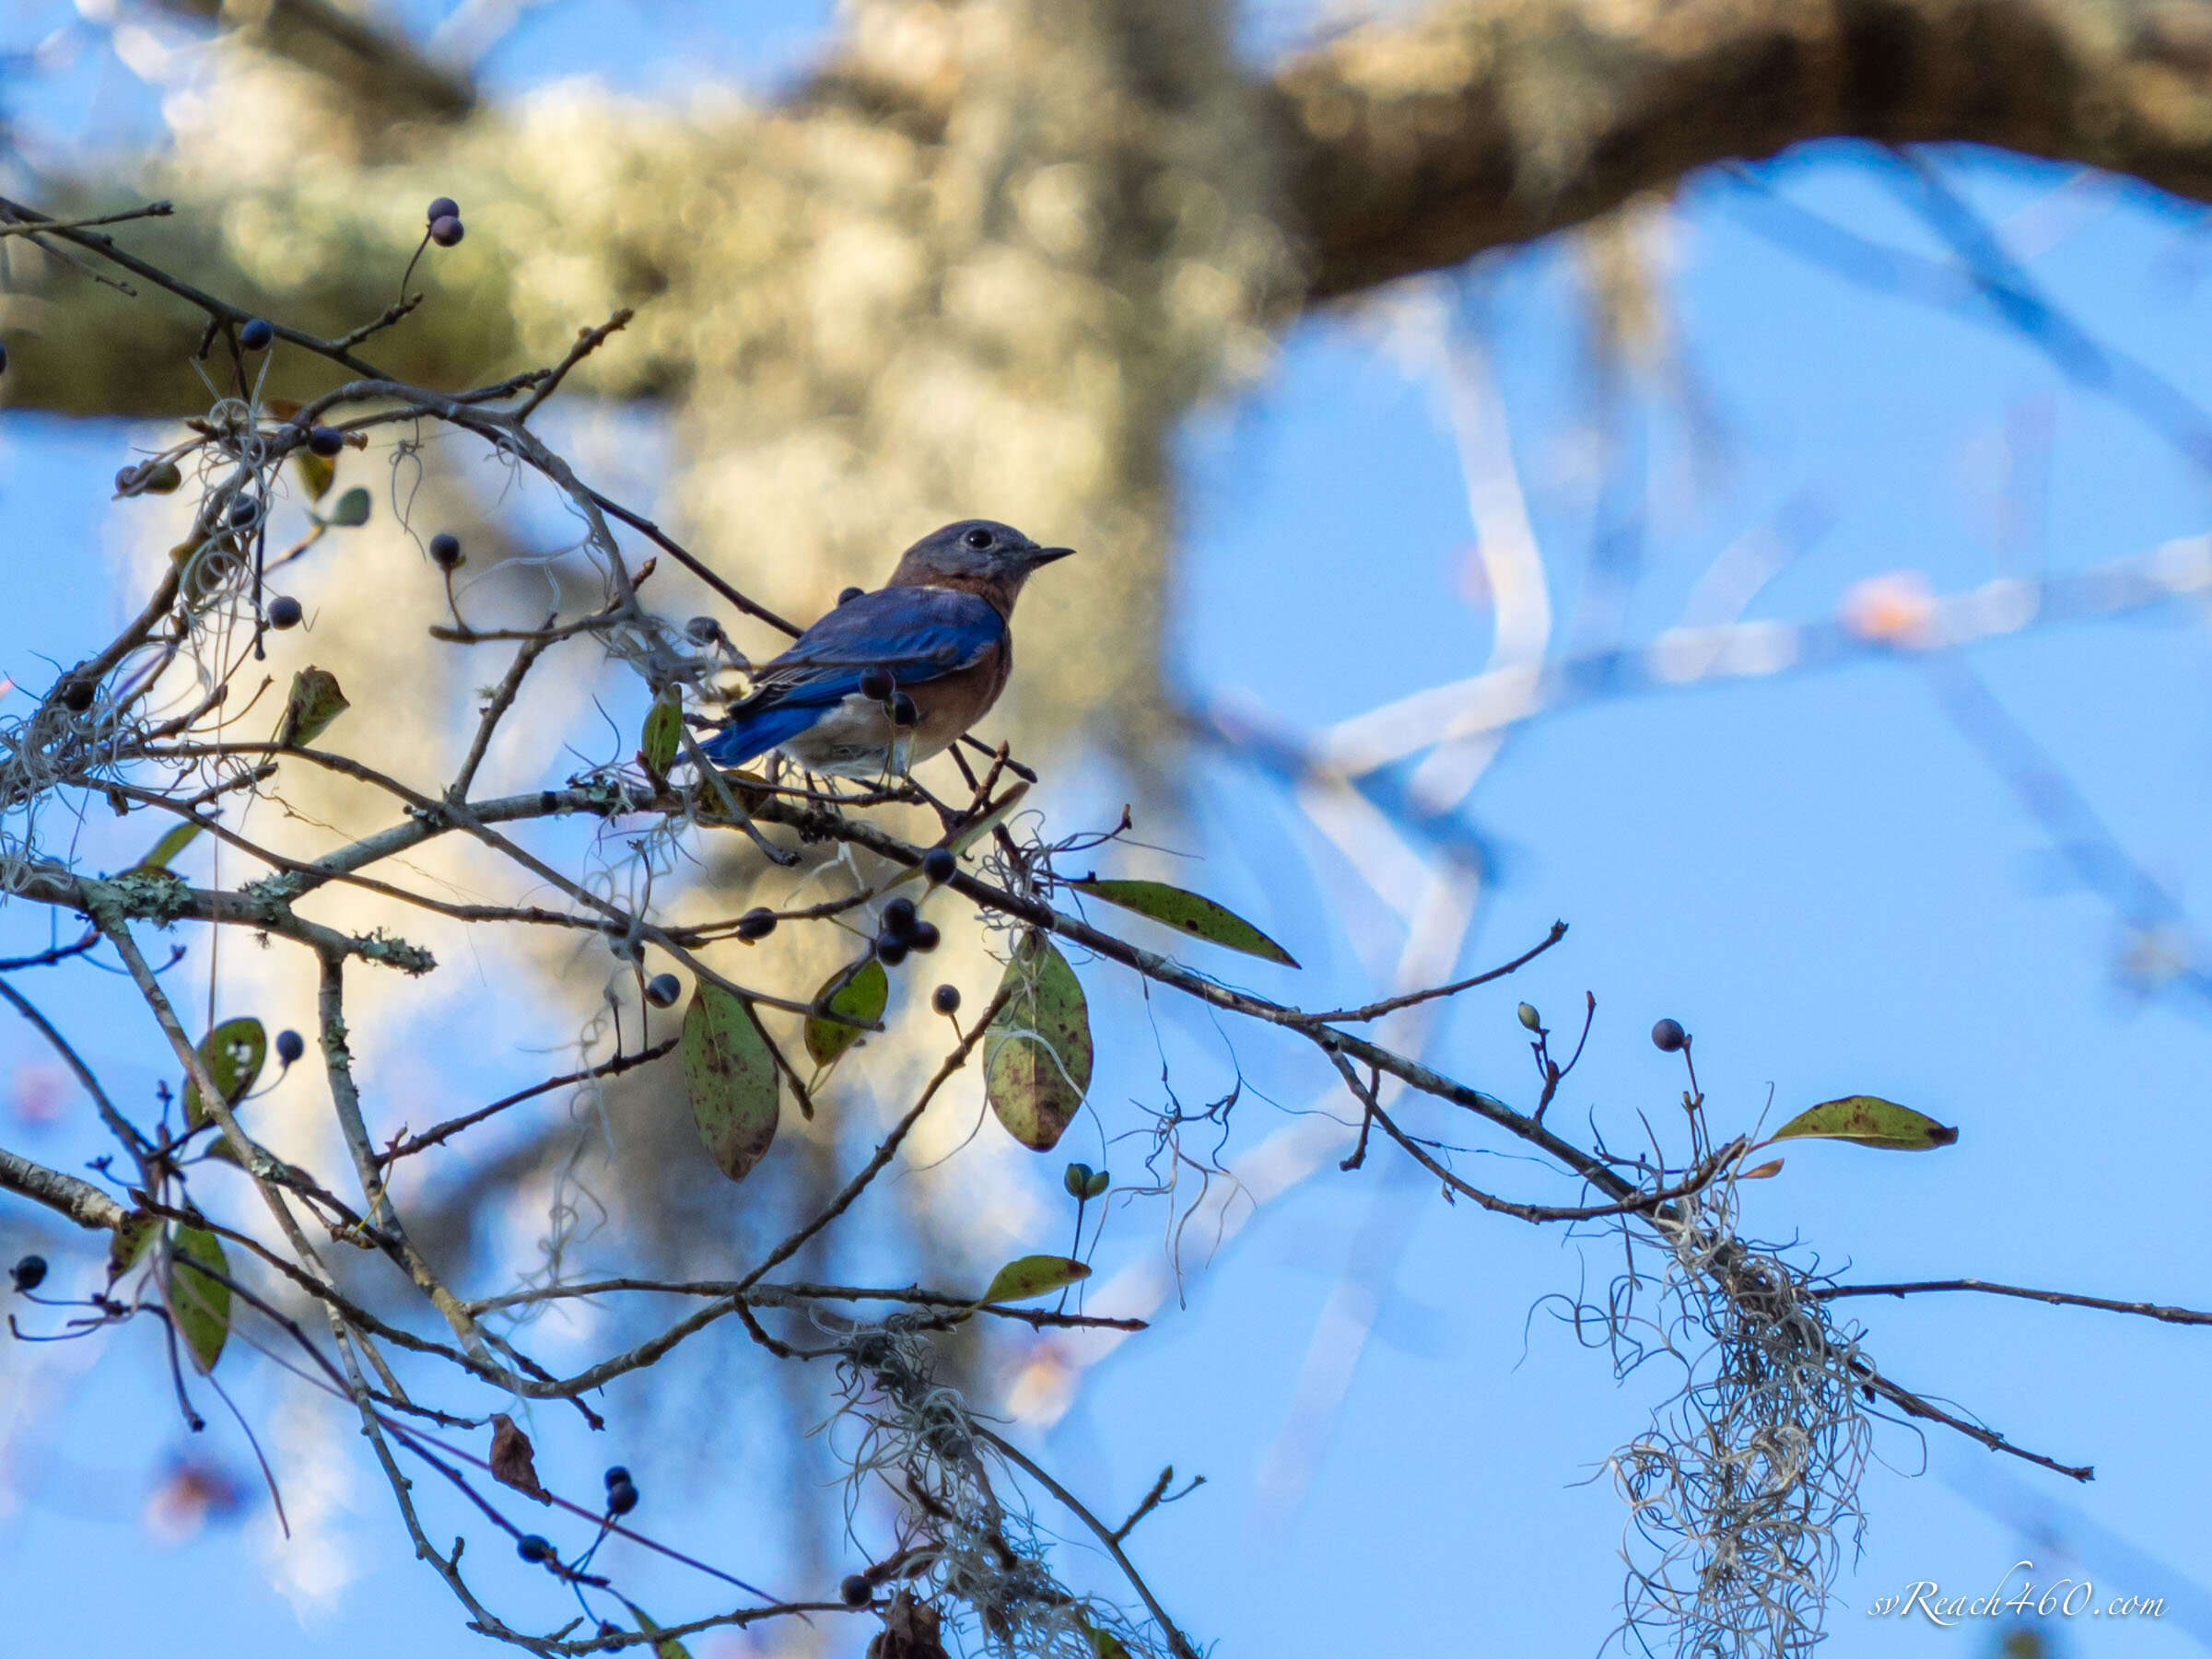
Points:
(859, 993)
(352, 511)
(663, 732)
(731, 1075)
(1870, 1121)
(1036, 1057)
(318, 473)
(1199, 917)
(314, 702)
(1029, 1275)
(169, 846)
(200, 1306)
(235, 1052)
(1105, 1645)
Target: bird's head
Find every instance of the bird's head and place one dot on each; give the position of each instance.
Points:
(980, 556)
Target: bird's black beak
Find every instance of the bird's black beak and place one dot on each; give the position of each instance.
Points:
(1045, 555)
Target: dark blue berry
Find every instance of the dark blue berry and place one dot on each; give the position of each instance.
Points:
(856, 1591)
(703, 630)
(1669, 1035)
(617, 1475)
(891, 951)
(902, 711)
(285, 612)
(256, 334)
(290, 1046)
(325, 441)
(945, 999)
(244, 509)
(446, 230)
(925, 937)
(898, 919)
(445, 207)
(756, 923)
(445, 550)
(622, 1498)
(847, 595)
(876, 684)
(939, 864)
(29, 1273)
(531, 1547)
(662, 989)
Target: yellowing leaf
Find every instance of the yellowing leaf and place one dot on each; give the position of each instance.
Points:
(1870, 1121)
(316, 471)
(1036, 1057)
(200, 1306)
(1766, 1171)
(859, 993)
(732, 1079)
(314, 702)
(235, 1052)
(667, 1647)
(1199, 917)
(139, 1231)
(663, 733)
(1029, 1275)
(169, 846)
(961, 840)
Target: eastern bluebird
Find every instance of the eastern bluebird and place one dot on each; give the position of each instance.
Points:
(936, 635)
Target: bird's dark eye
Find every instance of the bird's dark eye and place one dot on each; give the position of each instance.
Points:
(977, 538)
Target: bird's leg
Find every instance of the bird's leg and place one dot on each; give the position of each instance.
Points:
(950, 815)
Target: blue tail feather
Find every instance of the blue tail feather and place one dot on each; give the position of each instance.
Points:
(750, 736)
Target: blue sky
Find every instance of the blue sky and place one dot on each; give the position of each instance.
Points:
(1818, 874)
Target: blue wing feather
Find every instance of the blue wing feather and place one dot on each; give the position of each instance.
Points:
(917, 633)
